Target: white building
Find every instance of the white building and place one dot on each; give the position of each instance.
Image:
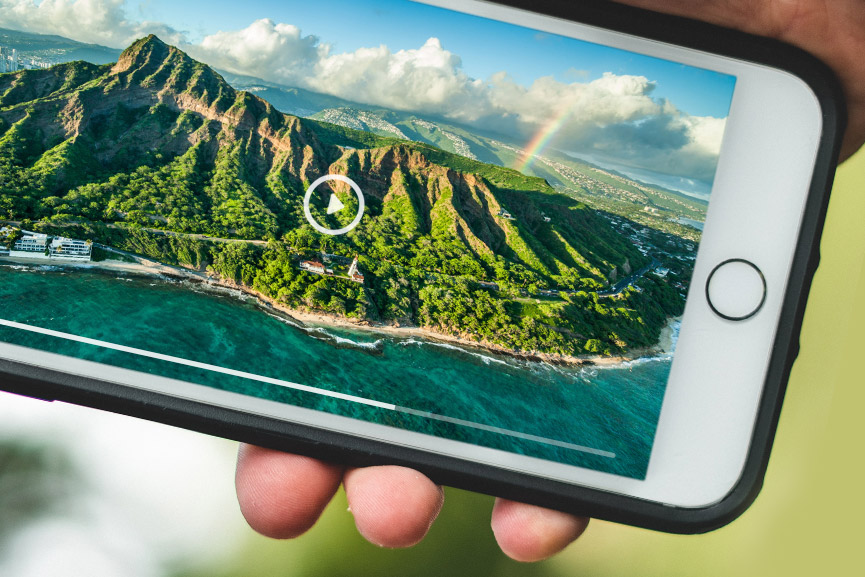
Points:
(31, 245)
(70, 248)
(313, 266)
(3, 250)
(37, 245)
(353, 272)
(10, 60)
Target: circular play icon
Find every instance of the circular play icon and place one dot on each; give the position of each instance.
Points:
(334, 205)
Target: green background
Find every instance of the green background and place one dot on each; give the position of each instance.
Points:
(807, 520)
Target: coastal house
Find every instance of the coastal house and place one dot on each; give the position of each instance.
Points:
(313, 266)
(353, 272)
(70, 249)
(42, 246)
(30, 245)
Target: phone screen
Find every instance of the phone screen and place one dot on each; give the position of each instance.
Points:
(378, 209)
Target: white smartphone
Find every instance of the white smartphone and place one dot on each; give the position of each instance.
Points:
(557, 253)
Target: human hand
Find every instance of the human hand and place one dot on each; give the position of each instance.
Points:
(282, 496)
(832, 30)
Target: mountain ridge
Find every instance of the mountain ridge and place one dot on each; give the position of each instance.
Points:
(153, 74)
(159, 141)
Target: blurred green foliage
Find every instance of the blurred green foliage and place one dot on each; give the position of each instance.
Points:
(36, 480)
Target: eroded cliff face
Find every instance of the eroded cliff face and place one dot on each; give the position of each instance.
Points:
(186, 101)
(163, 140)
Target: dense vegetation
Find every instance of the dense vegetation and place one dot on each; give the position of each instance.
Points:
(210, 178)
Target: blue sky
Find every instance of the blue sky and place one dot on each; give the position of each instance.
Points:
(538, 90)
(485, 47)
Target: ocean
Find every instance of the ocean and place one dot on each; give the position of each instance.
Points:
(526, 407)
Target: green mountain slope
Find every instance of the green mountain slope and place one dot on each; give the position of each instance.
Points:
(159, 143)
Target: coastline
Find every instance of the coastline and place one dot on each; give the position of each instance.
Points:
(146, 267)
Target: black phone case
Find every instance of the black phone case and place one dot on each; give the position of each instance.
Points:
(276, 434)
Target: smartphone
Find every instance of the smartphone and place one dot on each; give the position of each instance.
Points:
(557, 252)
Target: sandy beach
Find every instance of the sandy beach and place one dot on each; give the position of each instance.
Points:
(147, 267)
(142, 266)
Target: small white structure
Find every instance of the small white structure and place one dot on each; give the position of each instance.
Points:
(353, 272)
(3, 250)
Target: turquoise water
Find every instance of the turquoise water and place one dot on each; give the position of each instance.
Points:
(614, 410)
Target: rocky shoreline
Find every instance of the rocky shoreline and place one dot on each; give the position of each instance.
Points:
(321, 319)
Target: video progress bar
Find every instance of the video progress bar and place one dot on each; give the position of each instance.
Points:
(303, 388)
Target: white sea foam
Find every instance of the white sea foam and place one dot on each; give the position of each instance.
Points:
(322, 334)
(674, 337)
(287, 321)
(636, 362)
(205, 287)
(485, 358)
(375, 345)
(21, 267)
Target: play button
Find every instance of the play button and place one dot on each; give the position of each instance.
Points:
(334, 204)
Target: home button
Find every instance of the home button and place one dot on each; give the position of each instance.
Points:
(736, 289)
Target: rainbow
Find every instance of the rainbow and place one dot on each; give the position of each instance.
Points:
(543, 138)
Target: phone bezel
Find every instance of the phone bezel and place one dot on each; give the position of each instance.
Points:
(752, 438)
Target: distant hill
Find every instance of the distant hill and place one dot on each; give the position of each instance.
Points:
(601, 187)
(159, 141)
(56, 49)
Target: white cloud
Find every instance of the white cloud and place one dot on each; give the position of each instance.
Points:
(93, 21)
(428, 79)
(615, 115)
(264, 49)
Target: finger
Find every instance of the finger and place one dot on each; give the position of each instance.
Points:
(282, 495)
(528, 533)
(742, 14)
(392, 506)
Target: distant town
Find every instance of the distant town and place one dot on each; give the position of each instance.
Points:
(12, 61)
